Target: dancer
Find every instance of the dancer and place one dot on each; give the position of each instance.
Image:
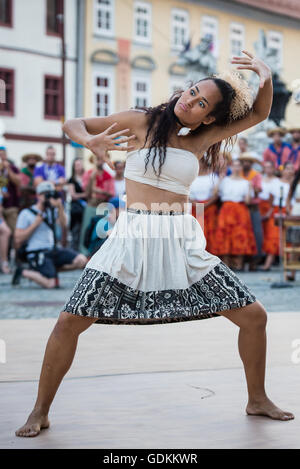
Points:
(136, 278)
(234, 235)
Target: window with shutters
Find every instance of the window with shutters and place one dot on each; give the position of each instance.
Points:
(6, 13)
(210, 29)
(141, 94)
(180, 28)
(275, 44)
(142, 22)
(237, 39)
(53, 96)
(104, 17)
(55, 8)
(103, 94)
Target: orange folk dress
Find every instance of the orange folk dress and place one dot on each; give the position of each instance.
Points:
(234, 235)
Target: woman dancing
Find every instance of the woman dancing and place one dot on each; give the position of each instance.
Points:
(154, 268)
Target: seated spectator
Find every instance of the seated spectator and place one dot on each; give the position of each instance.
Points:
(36, 227)
(4, 241)
(27, 179)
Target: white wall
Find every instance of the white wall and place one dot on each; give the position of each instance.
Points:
(29, 32)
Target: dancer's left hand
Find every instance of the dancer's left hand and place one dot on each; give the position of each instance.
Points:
(255, 64)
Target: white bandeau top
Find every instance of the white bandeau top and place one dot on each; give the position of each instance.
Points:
(178, 172)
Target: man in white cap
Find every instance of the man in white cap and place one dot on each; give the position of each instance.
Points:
(36, 227)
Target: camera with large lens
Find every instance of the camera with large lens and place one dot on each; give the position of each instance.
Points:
(50, 195)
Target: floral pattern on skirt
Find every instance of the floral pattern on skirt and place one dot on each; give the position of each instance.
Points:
(96, 294)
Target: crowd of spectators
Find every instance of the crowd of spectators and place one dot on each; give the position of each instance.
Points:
(47, 220)
(50, 223)
(242, 202)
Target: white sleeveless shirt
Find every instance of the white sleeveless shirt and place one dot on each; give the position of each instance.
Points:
(203, 186)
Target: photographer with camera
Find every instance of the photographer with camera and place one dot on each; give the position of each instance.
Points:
(35, 239)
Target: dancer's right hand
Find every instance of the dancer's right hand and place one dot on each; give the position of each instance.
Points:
(100, 143)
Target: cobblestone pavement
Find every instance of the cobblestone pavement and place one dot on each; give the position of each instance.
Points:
(28, 300)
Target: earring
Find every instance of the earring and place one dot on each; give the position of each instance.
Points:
(184, 131)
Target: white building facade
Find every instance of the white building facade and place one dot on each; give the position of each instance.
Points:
(31, 68)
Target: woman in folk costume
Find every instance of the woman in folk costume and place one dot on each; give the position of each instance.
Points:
(269, 182)
(278, 151)
(279, 192)
(234, 235)
(153, 268)
(293, 232)
(204, 197)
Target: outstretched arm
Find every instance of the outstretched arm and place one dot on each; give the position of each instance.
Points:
(261, 107)
(98, 134)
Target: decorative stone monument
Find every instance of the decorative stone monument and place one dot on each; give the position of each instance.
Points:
(199, 61)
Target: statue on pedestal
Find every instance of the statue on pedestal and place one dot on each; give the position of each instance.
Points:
(199, 61)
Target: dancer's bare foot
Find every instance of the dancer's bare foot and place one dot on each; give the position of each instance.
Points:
(269, 409)
(35, 423)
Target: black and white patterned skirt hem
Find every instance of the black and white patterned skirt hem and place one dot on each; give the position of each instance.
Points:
(99, 295)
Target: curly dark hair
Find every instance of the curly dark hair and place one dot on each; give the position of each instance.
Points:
(162, 121)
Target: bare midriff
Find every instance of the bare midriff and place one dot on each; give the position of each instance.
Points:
(147, 197)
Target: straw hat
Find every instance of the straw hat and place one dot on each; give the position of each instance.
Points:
(249, 157)
(26, 157)
(279, 130)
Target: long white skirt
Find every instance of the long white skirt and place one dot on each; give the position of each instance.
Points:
(153, 269)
